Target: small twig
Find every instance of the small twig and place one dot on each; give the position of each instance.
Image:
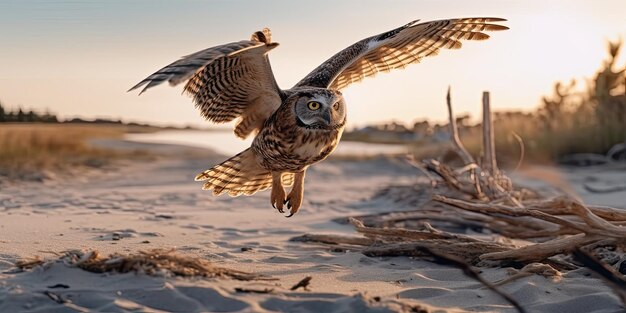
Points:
(540, 251)
(64, 286)
(411, 160)
(531, 269)
(450, 179)
(454, 133)
(55, 297)
(522, 151)
(563, 206)
(407, 233)
(475, 274)
(502, 209)
(614, 279)
(334, 239)
(304, 283)
(606, 189)
(29, 263)
(249, 290)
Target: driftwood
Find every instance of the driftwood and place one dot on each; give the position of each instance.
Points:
(512, 227)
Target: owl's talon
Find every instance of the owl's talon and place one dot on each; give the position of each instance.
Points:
(294, 199)
(278, 193)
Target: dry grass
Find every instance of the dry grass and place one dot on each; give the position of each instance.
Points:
(567, 122)
(157, 262)
(30, 148)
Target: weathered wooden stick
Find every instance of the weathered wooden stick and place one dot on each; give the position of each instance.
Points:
(502, 209)
(613, 278)
(540, 251)
(334, 239)
(596, 222)
(489, 151)
(468, 251)
(475, 274)
(454, 134)
(450, 179)
(562, 206)
(407, 233)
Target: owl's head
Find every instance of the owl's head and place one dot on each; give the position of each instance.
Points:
(320, 108)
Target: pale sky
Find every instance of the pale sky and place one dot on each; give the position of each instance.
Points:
(78, 58)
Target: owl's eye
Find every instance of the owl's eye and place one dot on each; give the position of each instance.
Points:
(313, 105)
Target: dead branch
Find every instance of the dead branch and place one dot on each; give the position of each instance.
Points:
(334, 239)
(408, 234)
(614, 279)
(470, 252)
(544, 270)
(541, 251)
(489, 147)
(502, 209)
(454, 134)
(450, 178)
(475, 274)
(251, 290)
(563, 206)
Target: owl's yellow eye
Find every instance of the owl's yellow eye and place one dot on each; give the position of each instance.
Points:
(314, 105)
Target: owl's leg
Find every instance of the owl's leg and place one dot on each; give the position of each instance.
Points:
(278, 192)
(294, 199)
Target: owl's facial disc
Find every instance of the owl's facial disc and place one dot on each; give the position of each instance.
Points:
(324, 110)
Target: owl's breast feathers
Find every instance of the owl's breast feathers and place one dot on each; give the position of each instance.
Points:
(285, 147)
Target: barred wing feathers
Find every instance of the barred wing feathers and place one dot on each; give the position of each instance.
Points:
(230, 81)
(397, 49)
(240, 175)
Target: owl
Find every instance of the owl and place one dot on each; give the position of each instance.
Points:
(298, 127)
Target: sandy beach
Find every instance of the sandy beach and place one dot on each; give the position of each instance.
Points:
(135, 206)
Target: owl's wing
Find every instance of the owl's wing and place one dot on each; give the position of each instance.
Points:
(397, 49)
(230, 81)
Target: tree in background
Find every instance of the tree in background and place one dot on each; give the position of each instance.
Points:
(21, 117)
(28, 117)
(1, 112)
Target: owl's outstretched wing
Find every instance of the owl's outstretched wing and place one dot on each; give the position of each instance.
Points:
(230, 81)
(397, 49)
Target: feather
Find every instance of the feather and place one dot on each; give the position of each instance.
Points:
(397, 48)
(227, 82)
(239, 175)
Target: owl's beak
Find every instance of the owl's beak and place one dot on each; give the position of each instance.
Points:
(326, 116)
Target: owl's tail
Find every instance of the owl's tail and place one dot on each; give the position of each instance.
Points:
(238, 175)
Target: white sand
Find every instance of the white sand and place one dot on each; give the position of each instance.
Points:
(158, 205)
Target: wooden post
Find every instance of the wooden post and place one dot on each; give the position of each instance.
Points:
(489, 146)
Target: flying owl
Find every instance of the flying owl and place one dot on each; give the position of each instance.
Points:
(297, 127)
